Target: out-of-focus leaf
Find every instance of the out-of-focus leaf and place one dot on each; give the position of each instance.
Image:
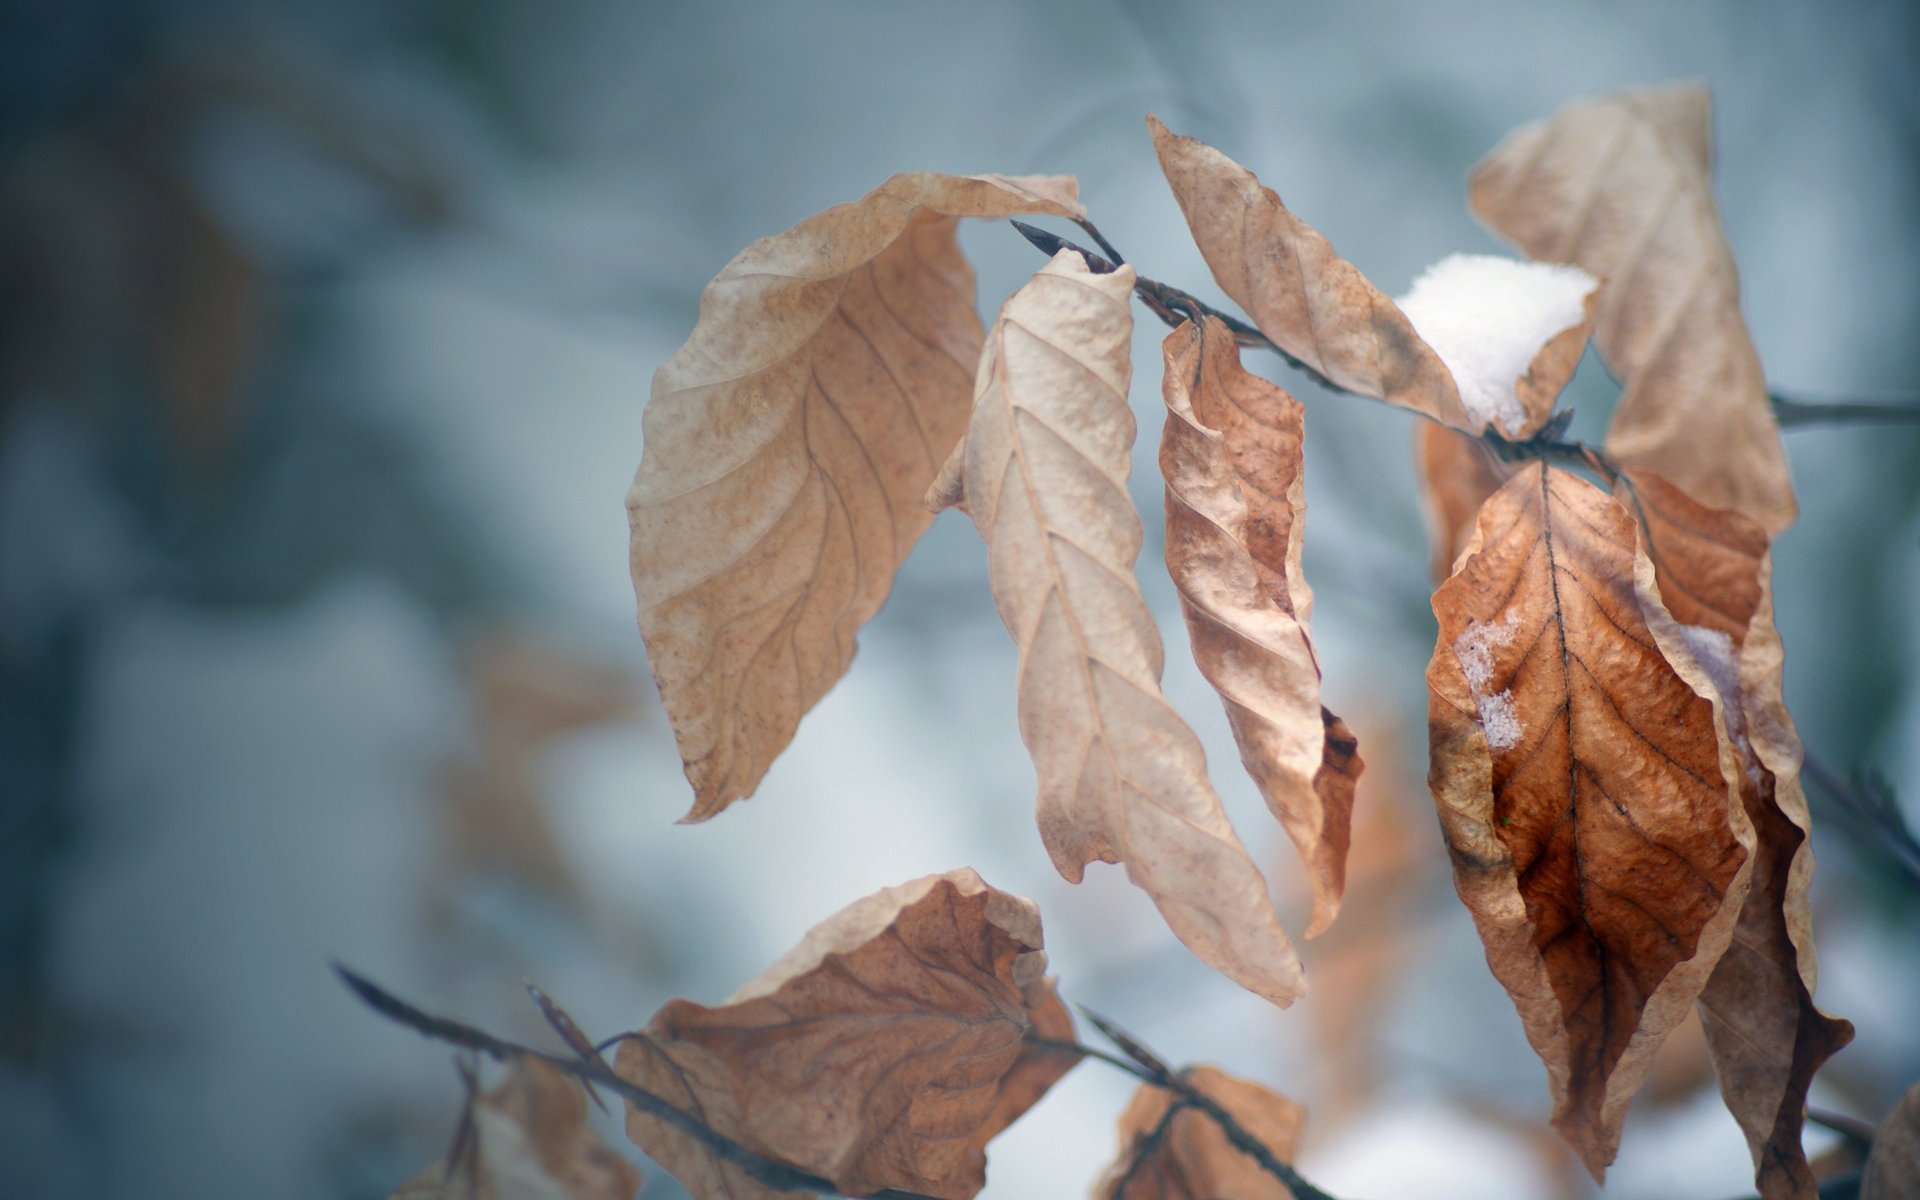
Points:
(882, 1051)
(1231, 456)
(1187, 1157)
(788, 445)
(1893, 1169)
(1455, 475)
(1122, 777)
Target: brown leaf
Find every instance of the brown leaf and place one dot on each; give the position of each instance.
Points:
(788, 445)
(1620, 184)
(1583, 789)
(531, 1142)
(1455, 474)
(1187, 1157)
(1893, 1169)
(882, 1051)
(1231, 456)
(1314, 304)
(1122, 777)
(1766, 1036)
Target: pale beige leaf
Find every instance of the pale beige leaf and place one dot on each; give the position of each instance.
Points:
(1584, 789)
(1893, 1169)
(788, 445)
(1231, 455)
(1621, 185)
(1122, 778)
(530, 1141)
(1766, 1035)
(1455, 474)
(881, 1052)
(1312, 303)
(1187, 1157)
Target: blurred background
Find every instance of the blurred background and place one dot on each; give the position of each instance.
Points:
(324, 338)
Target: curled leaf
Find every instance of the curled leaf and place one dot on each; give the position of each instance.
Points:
(1621, 184)
(788, 444)
(1232, 459)
(1583, 787)
(1183, 1155)
(881, 1052)
(1122, 777)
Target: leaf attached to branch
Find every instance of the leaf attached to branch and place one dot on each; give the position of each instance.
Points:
(1583, 787)
(1122, 777)
(881, 1052)
(1621, 185)
(1183, 1155)
(1232, 459)
(788, 445)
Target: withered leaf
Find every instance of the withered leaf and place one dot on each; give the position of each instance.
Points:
(1620, 184)
(1122, 778)
(1187, 1157)
(1583, 787)
(882, 1051)
(1766, 1036)
(788, 444)
(1231, 455)
(530, 1141)
(1455, 475)
(1314, 304)
(1893, 1168)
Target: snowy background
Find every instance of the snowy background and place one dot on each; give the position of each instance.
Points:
(326, 334)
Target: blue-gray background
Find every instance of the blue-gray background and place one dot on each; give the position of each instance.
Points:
(326, 334)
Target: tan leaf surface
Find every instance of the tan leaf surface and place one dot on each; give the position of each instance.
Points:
(531, 1141)
(1455, 475)
(788, 445)
(1231, 457)
(1314, 304)
(1893, 1169)
(1621, 185)
(1188, 1157)
(1583, 789)
(1122, 777)
(1766, 1036)
(882, 1051)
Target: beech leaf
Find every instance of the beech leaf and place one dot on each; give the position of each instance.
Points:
(1121, 776)
(1455, 475)
(1187, 1157)
(788, 444)
(1893, 1168)
(1583, 783)
(530, 1141)
(1621, 185)
(1231, 455)
(1765, 1034)
(881, 1052)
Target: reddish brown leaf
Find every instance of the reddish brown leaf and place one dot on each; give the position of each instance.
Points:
(1187, 1157)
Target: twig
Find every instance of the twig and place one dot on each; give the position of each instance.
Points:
(776, 1175)
(1868, 803)
(1856, 1133)
(1792, 413)
(1143, 1148)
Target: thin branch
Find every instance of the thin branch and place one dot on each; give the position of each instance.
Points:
(1868, 804)
(1144, 1147)
(776, 1175)
(1799, 414)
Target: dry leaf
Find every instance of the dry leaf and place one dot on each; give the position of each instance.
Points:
(531, 1141)
(1582, 781)
(1455, 474)
(1766, 1036)
(1893, 1169)
(1231, 455)
(788, 445)
(1122, 777)
(1187, 1157)
(883, 1051)
(1621, 185)
(1314, 304)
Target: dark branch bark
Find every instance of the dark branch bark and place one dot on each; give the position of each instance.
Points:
(1800, 414)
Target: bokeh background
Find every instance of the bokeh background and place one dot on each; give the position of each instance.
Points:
(325, 331)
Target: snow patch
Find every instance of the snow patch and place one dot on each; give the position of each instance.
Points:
(1498, 720)
(1474, 648)
(1487, 317)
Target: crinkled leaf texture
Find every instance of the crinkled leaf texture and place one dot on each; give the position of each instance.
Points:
(1232, 458)
(1767, 1037)
(529, 1141)
(788, 444)
(881, 1052)
(1583, 783)
(1621, 185)
(1043, 473)
(1187, 1157)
